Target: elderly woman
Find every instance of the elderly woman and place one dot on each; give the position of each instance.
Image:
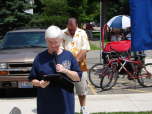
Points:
(52, 97)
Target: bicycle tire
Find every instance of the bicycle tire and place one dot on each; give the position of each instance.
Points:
(144, 78)
(94, 74)
(109, 79)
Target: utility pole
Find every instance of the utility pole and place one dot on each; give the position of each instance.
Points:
(103, 18)
(101, 25)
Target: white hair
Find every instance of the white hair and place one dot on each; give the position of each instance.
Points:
(53, 32)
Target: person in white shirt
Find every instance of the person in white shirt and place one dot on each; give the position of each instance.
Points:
(116, 35)
(76, 41)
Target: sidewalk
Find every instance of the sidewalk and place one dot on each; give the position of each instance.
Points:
(95, 103)
(118, 103)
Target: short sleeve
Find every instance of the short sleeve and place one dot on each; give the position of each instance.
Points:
(85, 41)
(34, 70)
(64, 34)
(65, 38)
(75, 66)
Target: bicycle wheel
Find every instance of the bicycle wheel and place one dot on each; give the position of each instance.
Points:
(145, 75)
(109, 79)
(94, 74)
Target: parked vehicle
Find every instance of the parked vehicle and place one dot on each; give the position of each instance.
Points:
(18, 50)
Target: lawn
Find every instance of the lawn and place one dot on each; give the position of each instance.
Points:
(94, 47)
(95, 44)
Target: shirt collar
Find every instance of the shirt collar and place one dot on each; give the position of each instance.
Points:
(67, 31)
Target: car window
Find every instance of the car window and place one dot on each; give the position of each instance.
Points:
(24, 39)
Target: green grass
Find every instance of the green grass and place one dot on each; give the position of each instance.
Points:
(94, 47)
(121, 113)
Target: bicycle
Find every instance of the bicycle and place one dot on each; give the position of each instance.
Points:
(94, 74)
(97, 70)
(106, 75)
(139, 71)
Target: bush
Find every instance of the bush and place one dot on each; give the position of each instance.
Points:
(45, 21)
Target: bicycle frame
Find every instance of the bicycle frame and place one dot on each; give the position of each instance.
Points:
(122, 62)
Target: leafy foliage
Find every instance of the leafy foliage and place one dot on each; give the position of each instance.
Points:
(48, 12)
(43, 21)
(121, 7)
(58, 11)
(84, 10)
(54, 12)
(12, 14)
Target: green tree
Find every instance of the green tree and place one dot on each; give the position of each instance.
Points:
(57, 12)
(112, 8)
(93, 10)
(74, 8)
(84, 10)
(54, 12)
(12, 14)
(38, 9)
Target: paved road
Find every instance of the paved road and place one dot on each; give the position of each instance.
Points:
(123, 86)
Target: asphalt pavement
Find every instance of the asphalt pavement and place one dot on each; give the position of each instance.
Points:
(123, 86)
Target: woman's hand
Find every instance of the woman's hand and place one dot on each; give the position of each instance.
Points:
(71, 74)
(40, 83)
(60, 68)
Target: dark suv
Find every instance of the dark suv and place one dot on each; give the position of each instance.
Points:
(18, 50)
